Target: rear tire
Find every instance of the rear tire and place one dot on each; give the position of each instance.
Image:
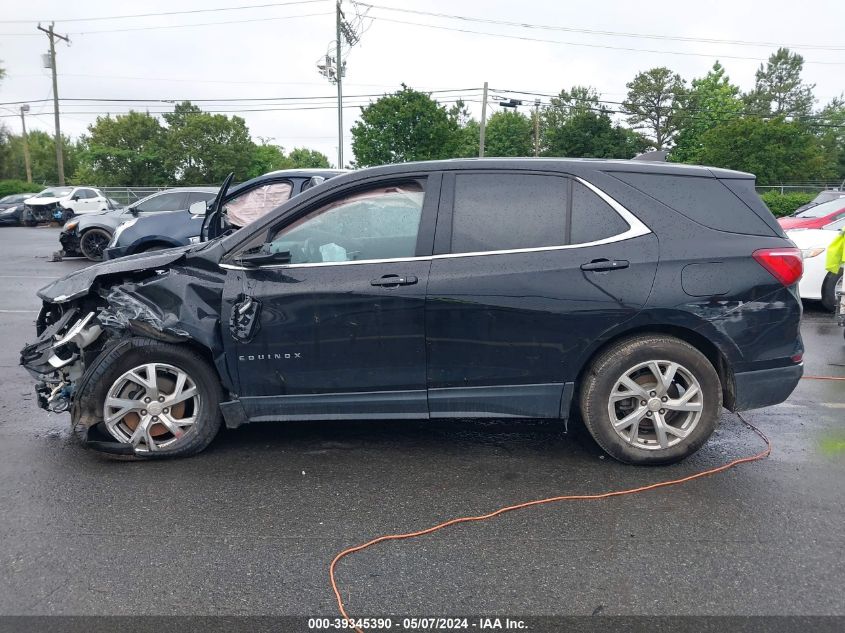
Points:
(829, 291)
(663, 420)
(93, 242)
(179, 429)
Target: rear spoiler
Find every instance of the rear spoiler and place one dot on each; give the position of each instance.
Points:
(658, 156)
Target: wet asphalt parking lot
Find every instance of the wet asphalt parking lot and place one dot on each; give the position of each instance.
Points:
(249, 527)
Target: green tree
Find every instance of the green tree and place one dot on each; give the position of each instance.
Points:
(304, 158)
(775, 150)
(42, 149)
(509, 133)
(404, 126)
(779, 88)
(202, 148)
(590, 134)
(468, 131)
(128, 150)
(712, 100)
(568, 104)
(265, 158)
(831, 130)
(653, 104)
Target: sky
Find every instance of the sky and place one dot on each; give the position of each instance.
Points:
(269, 54)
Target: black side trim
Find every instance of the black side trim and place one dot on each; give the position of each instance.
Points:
(411, 404)
(499, 401)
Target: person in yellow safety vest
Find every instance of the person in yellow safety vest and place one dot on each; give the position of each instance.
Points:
(835, 260)
(836, 253)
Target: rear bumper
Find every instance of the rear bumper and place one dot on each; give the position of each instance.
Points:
(765, 387)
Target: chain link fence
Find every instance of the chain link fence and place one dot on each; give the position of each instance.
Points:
(801, 187)
(129, 195)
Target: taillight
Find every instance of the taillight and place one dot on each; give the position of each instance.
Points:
(785, 264)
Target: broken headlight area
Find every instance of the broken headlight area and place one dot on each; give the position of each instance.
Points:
(66, 338)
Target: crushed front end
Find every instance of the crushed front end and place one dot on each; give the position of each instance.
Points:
(66, 336)
(94, 315)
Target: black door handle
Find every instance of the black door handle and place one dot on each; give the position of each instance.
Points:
(603, 265)
(392, 281)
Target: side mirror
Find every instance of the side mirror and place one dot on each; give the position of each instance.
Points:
(313, 182)
(75, 197)
(198, 208)
(262, 258)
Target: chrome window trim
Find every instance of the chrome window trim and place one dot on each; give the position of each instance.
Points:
(636, 228)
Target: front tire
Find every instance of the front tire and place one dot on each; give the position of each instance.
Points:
(651, 400)
(93, 242)
(162, 399)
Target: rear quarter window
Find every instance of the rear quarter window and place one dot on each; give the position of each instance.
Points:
(706, 200)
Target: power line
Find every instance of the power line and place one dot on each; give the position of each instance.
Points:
(150, 15)
(218, 81)
(684, 110)
(583, 44)
(232, 99)
(527, 25)
(191, 25)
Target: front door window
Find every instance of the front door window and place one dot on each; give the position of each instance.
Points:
(380, 223)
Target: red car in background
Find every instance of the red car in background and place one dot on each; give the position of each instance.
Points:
(815, 217)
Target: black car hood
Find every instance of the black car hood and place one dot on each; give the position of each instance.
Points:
(79, 283)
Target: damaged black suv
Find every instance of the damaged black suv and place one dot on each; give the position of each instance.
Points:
(643, 296)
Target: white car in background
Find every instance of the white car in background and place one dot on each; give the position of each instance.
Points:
(62, 203)
(817, 283)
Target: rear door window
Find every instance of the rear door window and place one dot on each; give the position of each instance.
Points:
(592, 218)
(494, 212)
(498, 212)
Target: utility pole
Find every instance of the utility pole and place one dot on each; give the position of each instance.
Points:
(51, 35)
(334, 68)
(338, 53)
(536, 127)
(483, 122)
(24, 110)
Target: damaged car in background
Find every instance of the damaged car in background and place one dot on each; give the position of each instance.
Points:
(447, 289)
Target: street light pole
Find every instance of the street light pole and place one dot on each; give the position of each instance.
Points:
(25, 109)
(52, 35)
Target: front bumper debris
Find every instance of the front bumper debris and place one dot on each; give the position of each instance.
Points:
(69, 241)
(55, 359)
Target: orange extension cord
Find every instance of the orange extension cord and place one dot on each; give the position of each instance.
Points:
(604, 495)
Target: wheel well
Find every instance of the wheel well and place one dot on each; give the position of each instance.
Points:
(699, 342)
(94, 228)
(152, 244)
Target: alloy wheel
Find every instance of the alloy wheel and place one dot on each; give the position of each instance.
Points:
(93, 243)
(152, 406)
(655, 404)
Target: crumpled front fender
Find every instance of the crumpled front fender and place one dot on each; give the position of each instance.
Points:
(80, 283)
